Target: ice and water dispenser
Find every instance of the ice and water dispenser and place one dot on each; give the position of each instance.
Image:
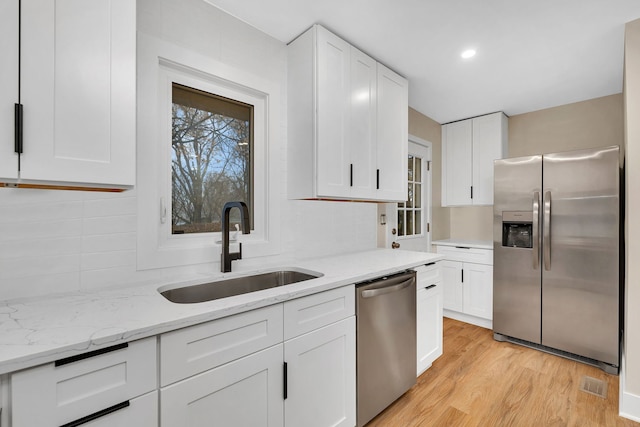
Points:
(517, 229)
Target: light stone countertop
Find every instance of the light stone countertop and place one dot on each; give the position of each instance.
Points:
(42, 330)
(480, 244)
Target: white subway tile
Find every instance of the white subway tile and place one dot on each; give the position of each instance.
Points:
(37, 230)
(38, 247)
(109, 207)
(109, 242)
(33, 266)
(108, 225)
(33, 286)
(102, 260)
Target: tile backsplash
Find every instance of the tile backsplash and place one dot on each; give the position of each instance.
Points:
(60, 241)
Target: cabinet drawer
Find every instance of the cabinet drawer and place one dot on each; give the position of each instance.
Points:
(463, 254)
(428, 274)
(139, 412)
(192, 350)
(70, 389)
(305, 314)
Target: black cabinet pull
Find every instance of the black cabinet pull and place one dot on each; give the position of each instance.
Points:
(377, 179)
(472, 191)
(97, 415)
(462, 271)
(462, 247)
(18, 128)
(351, 175)
(431, 286)
(431, 263)
(285, 390)
(83, 356)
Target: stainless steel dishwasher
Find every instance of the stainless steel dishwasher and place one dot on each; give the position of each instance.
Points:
(386, 342)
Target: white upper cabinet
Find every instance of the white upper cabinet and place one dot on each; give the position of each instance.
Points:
(469, 148)
(78, 92)
(456, 163)
(393, 135)
(8, 87)
(348, 124)
(333, 125)
(362, 124)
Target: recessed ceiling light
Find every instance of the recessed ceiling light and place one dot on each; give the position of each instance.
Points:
(469, 53)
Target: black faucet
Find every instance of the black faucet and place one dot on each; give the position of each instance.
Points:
(225, 256)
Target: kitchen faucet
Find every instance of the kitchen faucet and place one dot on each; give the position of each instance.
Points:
(225, 256)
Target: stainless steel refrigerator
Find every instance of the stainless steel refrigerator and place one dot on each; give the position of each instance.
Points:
(556, 241)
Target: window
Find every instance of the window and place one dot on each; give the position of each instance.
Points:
(211, 158)
(172, 83)
(410, 213)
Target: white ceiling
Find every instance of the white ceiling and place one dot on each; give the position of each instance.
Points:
(532, 54)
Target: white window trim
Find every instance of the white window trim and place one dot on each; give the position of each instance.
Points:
(159, 64)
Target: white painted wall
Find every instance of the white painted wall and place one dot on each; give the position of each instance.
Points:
(59, 241)
(630, 376)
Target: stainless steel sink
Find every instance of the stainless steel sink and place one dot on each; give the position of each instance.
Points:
(236, 286)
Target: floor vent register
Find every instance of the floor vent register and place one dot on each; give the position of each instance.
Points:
(594, 386)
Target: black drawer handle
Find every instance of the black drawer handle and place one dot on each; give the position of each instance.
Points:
(431, 263)
(285, 380)
(462, 247)
(97, 415)
(83, 356)
(431, 286)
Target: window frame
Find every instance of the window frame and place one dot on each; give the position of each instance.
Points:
(405, 209)
(251, 186)
(412, 242)
(159, 65)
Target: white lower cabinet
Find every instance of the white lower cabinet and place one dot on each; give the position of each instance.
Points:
(247, 392)
(452, 275)
(428, 315)
(289, 364)
(468, 284)
(230, 372)
(100, 387)
(477, 299)
(321, 377)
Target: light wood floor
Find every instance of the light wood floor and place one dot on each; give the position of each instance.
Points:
(481, 382)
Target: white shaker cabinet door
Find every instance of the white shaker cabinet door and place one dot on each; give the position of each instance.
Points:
(393, 136)
(362, 138)
(78, 89)
(478, 290)
(452, 282)
(245, 393)
(489, 144)
(457, 163)
(333, 165)
(8, 87)
(321, 377)
(429, 324)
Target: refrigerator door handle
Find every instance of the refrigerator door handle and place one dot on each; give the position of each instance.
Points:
(546, 238)
(536, 230)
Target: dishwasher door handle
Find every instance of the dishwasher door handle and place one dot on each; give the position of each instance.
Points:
(370, 293)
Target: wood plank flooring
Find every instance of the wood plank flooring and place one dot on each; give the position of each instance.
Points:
(481, 382)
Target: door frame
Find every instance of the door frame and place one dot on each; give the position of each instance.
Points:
(390, 210)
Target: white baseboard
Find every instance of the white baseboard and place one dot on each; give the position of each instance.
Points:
(478, 321)
(629, 403)
(630, 406)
